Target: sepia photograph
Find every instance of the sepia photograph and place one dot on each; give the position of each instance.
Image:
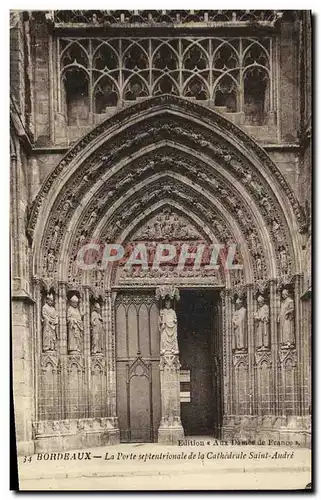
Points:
(160, 247)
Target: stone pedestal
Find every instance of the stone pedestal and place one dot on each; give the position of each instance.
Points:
(170, 430)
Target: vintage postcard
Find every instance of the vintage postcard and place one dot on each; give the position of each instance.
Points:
(161, 248)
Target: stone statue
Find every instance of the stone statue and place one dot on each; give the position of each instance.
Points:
(261, 318)
(168, 330)
(55, 236)
(286, 320)
(50, 261)
(75, 325)
(97, 329)
(239, 325)
(283, 260)
(49, 321)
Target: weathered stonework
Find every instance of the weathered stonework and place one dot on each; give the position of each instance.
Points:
(88, 367)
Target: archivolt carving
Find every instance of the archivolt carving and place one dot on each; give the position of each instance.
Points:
(107, 177)
(161, 17)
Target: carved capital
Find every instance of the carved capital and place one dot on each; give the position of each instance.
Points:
(170, 291)
(169, 362)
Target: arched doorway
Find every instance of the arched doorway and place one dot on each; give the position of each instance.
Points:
(165, 169)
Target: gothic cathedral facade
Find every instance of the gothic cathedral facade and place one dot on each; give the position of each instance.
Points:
(134, 127)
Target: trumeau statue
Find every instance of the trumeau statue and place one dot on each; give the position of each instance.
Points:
(261, 318)
(239, 325)
(286, 320)
(75, 325)
(49, 321)
(97, 329)
(168, 329)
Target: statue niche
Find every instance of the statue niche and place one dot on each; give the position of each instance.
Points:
(49, 325)
(286, 320)
(97, 329)
(168, 330)
(75, 326)
(261, 318)
(239, 326)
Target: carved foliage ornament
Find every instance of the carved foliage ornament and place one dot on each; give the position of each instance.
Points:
(170, 291)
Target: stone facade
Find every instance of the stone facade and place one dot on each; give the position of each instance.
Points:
(117, 126)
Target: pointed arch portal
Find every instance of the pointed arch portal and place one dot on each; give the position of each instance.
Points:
(166, 169)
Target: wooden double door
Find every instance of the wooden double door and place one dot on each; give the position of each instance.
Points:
(137, 363)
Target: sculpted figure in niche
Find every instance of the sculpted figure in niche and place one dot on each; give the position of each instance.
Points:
(286, 320)
(75, 326)
(239, 325)
(261, 318)
(55, 236)
(168, 329)
(97, 329)
(49, 321)
(50, 261)
(283, 260)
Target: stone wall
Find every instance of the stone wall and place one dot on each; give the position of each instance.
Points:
(288, 143)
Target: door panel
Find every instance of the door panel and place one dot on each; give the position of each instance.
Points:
(140, 405)
(137, 366)
(132, 331)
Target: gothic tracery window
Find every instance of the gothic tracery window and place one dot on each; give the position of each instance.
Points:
(99, 74)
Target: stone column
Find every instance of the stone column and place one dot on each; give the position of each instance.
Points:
(63, 348)
(275, 406)
(105, 350)
(229, 395)
(250, 346)
(37, 340)
(227, 349)
(170, 430)
(299, 343)
(86, 312)
(112, 433)
(111, 355)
